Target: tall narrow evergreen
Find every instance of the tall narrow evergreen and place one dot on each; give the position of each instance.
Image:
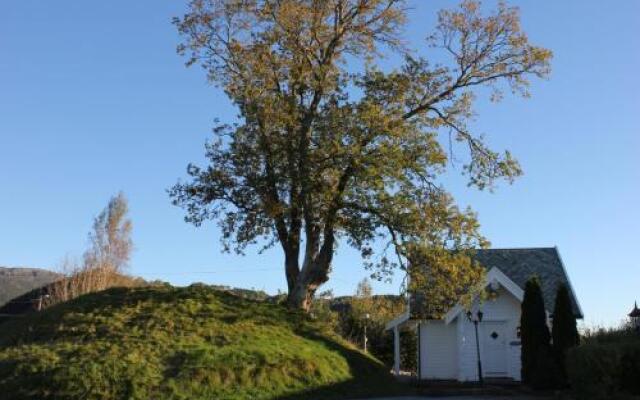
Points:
(534, 332)
(564, 329)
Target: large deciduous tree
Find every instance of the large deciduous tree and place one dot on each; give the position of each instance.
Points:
(330, 147)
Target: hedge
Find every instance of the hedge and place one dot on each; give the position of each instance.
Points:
(604, 371)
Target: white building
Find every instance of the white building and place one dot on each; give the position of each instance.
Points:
(447, 347)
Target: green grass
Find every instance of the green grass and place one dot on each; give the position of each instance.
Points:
(179, 343)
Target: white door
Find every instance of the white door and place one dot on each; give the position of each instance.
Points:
(493, 342)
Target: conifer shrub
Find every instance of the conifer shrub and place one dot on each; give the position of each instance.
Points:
(546, 374)
(564, 331)
(534, 332)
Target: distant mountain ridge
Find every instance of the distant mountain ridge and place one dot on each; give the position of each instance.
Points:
(16, 281)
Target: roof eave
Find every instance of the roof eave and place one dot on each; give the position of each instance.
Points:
(573, 292)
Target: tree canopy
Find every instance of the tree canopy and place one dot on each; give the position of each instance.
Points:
(111, 243)
(324, 151)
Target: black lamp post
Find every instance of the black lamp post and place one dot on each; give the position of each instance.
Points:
(366, 319)
(476, 321)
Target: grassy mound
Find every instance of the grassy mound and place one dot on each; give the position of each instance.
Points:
(179, 343)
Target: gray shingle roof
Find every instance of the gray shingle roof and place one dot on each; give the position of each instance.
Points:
(519, 265)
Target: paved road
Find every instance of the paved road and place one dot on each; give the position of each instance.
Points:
(477, 397)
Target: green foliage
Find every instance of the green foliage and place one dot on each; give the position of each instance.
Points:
(534, 331)
(601, 335)
(546, 372)
(605, 371)
(179, 343)
(110, 239)
(590, 370)
(564, 330)
(630, 370)
(324, 151)
(442, 278)
(381, 309)
(349, 315)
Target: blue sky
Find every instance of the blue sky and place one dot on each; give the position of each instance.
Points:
(93, 100)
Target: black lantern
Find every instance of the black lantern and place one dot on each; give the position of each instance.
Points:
(634, 316)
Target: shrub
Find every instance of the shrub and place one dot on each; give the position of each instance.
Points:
(534, 330)
(564, 331)
(546, 374)
(630, 369)
(347, 316)
(623, 333)
(604, 371)
(590, 369)
(350, 325)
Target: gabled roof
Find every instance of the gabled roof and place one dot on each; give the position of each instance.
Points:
(521, 264)
(518, 265)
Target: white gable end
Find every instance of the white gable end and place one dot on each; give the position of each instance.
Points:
(497, 336)
(494, 278)
(448, 346)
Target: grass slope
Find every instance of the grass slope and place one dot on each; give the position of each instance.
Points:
(179, 343)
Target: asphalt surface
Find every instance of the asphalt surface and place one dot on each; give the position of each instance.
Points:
(476, 397)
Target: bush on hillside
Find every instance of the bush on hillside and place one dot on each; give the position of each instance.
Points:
(380, 340)
(345, 318)
(621, 334)
(348, 318)
(604, 371)
(630, 369)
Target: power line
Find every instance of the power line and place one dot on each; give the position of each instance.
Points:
(239, 269)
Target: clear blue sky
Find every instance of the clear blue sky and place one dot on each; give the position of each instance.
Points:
(93, 100)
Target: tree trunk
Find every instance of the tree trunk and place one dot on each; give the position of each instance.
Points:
(292, 269)
(310, 278)
(315, 272)
(300, 298)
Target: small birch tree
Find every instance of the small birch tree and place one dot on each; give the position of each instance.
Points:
(110, 240)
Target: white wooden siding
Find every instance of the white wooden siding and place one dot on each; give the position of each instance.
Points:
(504, 308)
(438, 348)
